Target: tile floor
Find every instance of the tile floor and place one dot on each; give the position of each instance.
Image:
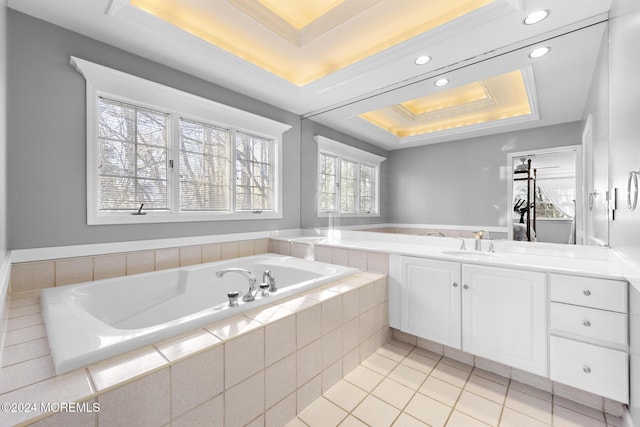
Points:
(406, 386)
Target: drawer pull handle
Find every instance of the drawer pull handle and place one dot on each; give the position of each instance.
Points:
(586, 292)
(586, 369)
(466, 286)
(586, 323)
(455, 285)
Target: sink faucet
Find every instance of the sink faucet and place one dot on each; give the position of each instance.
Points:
(253, 282)
(478, 236)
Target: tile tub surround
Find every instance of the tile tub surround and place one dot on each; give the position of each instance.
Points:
(280, 358)
(28, 276)
(404, 385)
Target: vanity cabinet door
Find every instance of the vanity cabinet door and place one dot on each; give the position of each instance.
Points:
(430, 302)
(504, 315)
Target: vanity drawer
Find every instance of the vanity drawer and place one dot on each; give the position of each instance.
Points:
(607, 326)
(596, 369)
(590, 292)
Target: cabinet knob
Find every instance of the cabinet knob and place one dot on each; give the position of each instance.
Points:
(586, 323)
(586, 292)
(586, 369)
(466, 286)
(455, 285)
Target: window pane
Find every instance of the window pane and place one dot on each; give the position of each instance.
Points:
(327, 183)
(348, 186)
(544, 207)
(367, 188)
(254, 175)
(133, 157)
(205, 167)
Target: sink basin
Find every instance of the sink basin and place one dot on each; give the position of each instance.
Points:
(471, 254)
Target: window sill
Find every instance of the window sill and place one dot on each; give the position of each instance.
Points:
(155, 218)
(346, 215)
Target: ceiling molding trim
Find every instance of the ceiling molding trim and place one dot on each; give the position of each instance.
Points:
(333, 19)
(529, 83)
(319, 27)
(407, 48)
(442, 113)
(269, 19)
(116, 6)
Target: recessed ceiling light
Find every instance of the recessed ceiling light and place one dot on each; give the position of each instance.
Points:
(535, 17)
(540, 51)
(441, 82)
(421, 60)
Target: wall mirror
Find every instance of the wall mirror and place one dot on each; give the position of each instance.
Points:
(545, 194)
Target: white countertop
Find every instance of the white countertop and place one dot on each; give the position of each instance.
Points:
(567, 259)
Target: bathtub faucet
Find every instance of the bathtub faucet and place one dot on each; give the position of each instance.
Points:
(267, 277)
(253, 282)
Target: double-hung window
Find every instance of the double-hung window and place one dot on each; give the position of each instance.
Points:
(348, 180)
(157, 154)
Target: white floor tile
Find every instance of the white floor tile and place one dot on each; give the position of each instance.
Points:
(405, 386)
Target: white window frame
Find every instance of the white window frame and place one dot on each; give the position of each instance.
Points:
(346, 152)
(106, 82)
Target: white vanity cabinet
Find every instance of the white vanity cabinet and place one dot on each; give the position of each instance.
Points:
(589, 335)
(430, 300)
(504, 316)
(496, 313)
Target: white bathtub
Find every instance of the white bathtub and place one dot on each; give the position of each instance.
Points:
(92, 321)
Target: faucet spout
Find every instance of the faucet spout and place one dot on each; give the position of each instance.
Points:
(253, 282)
(478, 236)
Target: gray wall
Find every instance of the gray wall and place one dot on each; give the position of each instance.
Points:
(464, 182)
(309, 163)
(624, 152)
(3, 129)
(46, 204)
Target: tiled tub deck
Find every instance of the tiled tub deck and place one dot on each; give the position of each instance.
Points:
(259, 368)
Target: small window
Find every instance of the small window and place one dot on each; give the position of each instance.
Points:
(367, 188)
(328, 181)
(133, 157)
(348, 187)
(254, 173)
(348, 180)
(205, 167)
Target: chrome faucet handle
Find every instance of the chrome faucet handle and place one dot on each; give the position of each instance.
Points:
(264, 289)
(463, 246)
(494, 242)
(233, 298)
(267, 277)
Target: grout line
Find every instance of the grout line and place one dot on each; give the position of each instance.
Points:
(504, 401)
